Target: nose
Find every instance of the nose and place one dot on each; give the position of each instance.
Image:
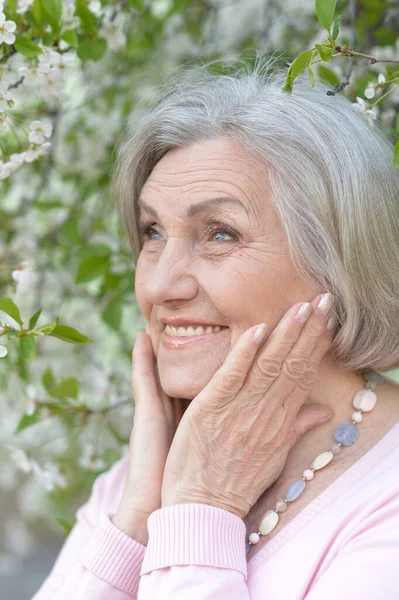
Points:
(172, 279)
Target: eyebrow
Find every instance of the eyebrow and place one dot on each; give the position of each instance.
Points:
(195, 208)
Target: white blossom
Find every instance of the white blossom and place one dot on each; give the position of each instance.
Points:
(6, 30)
(87, 460)
(95, 7)
(8, 168)
(3, 351)
(49, 476)
(51, 84)
(64, 62)
(30, 73)
(372, 88)
(360, 106)
(68, 19)
(34, 153)
(112, 31)
(39, 131)
(160, 8)
(24, 6)
(5, 99)
(21, 460)
(32, 396)
(25, 277)
(6, 76)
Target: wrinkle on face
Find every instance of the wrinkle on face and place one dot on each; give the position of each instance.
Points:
(233, 283)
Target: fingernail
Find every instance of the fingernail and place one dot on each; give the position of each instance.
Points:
(304, 312)
(331, 323)
(325, 303)
(260, 332)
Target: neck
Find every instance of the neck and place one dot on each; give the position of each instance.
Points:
(335, 388)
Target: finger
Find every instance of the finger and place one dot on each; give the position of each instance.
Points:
(229, 378)
(283, 361)
(143, 378)
(310, 416)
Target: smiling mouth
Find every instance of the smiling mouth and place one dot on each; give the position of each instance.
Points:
(187, 336)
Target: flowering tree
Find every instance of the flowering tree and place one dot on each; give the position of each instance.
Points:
(71, 74)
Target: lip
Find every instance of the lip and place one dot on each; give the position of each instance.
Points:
(185, 322)
(175, 342)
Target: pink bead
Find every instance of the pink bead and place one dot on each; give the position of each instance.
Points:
(308, 474)
(254, 538)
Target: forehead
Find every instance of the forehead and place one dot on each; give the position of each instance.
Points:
(218, 167)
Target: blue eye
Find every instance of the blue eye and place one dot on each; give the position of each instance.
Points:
(146, 230)
(215, 229)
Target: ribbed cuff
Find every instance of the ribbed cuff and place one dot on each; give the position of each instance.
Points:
(195, 534)
(114, 556)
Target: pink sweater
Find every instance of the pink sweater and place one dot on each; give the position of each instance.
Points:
(343, 546)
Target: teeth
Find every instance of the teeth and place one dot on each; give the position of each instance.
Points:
(187, 331)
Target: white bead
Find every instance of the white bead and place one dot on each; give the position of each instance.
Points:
(365, 400)
(254, 538)
(322, 460)
(357, 417)
(269, 522)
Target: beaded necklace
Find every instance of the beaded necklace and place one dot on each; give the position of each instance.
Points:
(346, 434)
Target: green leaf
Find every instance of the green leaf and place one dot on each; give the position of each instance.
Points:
(8, 306)
(28, 420)
(38, 12)
(328, 75)
(41, 205)
(69, 334)
(27, 346)
(325, 10)
(53, 10)
(396, 156)
(92, 267)
(87, 18)
(45, 329)
(137, 4)
(70, 38)
(397, 123)
(324, 51)
(296, 68)
(68, 388)
(337, 23)
(92, 49)
(26, 47)
(48, 379)
(34, 319)
(112, 313)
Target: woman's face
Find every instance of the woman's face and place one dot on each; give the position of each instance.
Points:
(223, 263)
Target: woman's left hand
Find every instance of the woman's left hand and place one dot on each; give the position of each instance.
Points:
(233, 440)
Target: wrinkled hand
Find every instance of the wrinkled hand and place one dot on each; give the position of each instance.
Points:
(233, 440)
(156, 417)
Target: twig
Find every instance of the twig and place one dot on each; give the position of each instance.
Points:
(373, 60)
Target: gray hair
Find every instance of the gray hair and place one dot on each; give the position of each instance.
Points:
(331, 181)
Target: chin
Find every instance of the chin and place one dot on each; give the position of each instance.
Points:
(176, 386)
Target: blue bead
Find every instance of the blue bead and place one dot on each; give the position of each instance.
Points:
(372, 376)
(295, 490)
(247, 548)
(346, 434)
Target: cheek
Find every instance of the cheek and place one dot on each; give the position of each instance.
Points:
(139, 288)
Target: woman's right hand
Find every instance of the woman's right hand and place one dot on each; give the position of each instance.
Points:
(156, 418)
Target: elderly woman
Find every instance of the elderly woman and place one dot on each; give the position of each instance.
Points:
(265, 230)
